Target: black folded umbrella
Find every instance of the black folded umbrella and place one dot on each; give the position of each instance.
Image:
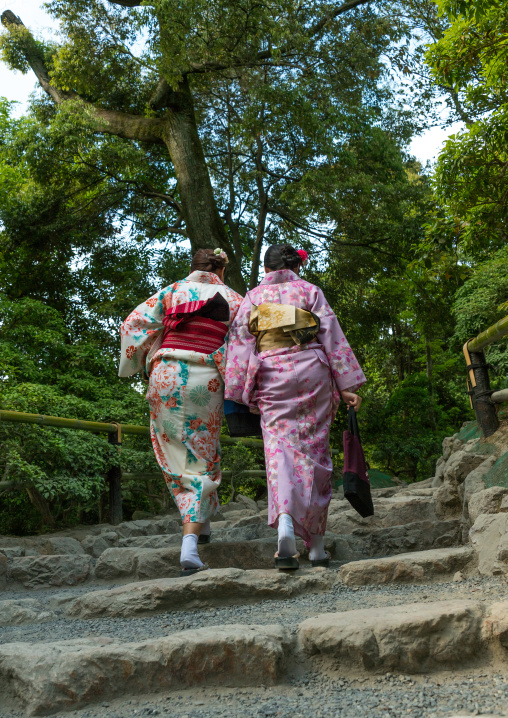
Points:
(356, 479)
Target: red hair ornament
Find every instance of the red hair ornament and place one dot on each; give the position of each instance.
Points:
(303, 255)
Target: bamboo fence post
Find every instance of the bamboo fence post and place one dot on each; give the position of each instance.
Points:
(114, 479)
(479, 385)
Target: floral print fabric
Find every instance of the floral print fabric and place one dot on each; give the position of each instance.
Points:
(186, 403)
(185, 394)
(297, 391)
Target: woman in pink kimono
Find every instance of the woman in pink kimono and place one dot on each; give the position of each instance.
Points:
(177, 337)
(289, 360)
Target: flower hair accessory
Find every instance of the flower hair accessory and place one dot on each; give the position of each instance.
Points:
(222, 254)
(303, 255)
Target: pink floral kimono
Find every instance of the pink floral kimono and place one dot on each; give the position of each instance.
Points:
(185, 391)
(296, 388)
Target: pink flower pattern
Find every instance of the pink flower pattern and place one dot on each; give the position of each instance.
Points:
(297, 390)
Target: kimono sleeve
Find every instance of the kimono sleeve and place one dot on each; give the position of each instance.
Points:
(344, 365)
(240, 346)
(138, 333)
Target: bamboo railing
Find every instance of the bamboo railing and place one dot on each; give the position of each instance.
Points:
(483, 400)
(115, 431)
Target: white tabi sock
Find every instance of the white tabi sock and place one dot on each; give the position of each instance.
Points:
(317, 548)
(287, 542)
(205, 531)
(189, 557)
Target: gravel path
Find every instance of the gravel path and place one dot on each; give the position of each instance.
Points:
(289, 612)
(393, 696)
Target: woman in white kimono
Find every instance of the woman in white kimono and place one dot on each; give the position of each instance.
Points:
(177, 337)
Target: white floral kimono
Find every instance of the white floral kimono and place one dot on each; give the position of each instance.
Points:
(185, 394)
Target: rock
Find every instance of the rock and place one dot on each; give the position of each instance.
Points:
(66, 675)
(36, 571)
(393, 511)
(402, 509)
(167, 525)
(248, 532)
(413, 638)
(347, 521)
(416, 536)
(495, 627)
(447, 447)
(418, 567)
(138, 563)
(60, 546)
(218, 587)
(247, 502)
(135, 528)
(229, 507)
(13, 551)
(350, 548)
(96, 545)
(145, 563)
(438, 477)
(447, 501)
(461, 463)
(459, 576)
(140, 515)
(3, 570)
(489, 538)
(22, 610)
(488, 501)
(474, 480)
(152, 541)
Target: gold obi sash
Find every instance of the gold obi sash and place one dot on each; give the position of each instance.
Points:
(277, 326)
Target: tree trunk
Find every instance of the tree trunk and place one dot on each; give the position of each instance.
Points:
(263, 212)
(177, 130)
(41, 505)
(205, 227)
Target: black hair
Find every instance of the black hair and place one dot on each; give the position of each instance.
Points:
(281, 256)
(205, 260)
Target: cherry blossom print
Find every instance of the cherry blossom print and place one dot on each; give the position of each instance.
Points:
(130, 351)
(213, 385)
(297, 390)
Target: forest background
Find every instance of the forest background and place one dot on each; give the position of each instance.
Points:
(162, 127)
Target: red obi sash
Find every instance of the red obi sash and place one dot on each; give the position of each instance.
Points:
(196, 326)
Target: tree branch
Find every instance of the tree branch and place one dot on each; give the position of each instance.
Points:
(318, 26)
(127, 3)
(131, 127)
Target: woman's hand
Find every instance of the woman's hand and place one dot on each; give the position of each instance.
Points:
(254, 410)
(351, 399)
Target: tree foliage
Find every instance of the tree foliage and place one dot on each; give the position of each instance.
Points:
(166, 126)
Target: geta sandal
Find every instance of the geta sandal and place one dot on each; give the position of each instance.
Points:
(323, 562)
(191, 571)
(287, 563)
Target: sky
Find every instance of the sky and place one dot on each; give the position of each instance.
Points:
(15, 86)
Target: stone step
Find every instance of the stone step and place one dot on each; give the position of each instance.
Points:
(16, 612)
(417, 567)
(46, 678)
(120, 564)
(394, 511)
(217, 587)
(412, 638)
(41, 571)
(51, 677)
(415, 536)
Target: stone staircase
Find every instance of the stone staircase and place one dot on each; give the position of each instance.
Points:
(96, 620)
